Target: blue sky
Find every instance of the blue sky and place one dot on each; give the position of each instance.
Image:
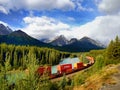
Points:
(78, 16)
(97, 19)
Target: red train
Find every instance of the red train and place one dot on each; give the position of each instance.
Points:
(65, 68)
(44, 70)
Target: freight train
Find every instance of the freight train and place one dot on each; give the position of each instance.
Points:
(65, 68)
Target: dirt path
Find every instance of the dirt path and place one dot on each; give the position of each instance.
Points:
(115, 86)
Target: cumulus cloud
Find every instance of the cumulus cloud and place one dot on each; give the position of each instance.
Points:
(50, 4)
(3, 10)
(1, 22)
(109, 6)
(41, 5)
(7, 5)
(43, 27)
(102, 28)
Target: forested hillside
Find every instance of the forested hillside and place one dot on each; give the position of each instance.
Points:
(19, 55)
(25, 57)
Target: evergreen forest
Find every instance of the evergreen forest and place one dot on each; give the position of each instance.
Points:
(26, 59)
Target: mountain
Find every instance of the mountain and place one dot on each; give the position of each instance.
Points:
(21, 38)
(4, 30)
(59, 41)
(75, 45)
(83, 45)
(72, 40)
(93, 42)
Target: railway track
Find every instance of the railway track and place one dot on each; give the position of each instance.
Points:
(66, 69)
(71, 75)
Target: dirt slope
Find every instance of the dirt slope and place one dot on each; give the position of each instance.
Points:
(115, 86)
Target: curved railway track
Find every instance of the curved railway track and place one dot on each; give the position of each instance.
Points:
(70, 75)
(66, 69)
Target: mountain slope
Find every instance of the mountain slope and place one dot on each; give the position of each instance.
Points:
(89, 40)
(83, 45)
(4, 30)
(59, 41)
(72, 40)
(20, 38)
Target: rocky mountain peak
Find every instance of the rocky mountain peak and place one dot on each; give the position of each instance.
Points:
(59, 41)
(73, 40)
(4, 30)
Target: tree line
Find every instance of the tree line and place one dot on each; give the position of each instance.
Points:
(19, 55)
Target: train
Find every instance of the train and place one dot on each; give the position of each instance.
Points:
(65, 68)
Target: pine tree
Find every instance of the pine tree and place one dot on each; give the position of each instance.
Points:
(113, 50)
(15, 62)
(7, 63)
(3, 73)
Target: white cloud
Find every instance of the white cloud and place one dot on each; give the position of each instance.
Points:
(7, 5)
(1, 22)
(50, 4)
(102, 28)
(3, 10)
(41, 5)
(109, 6)
(43, 27)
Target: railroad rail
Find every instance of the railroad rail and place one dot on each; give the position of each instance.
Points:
(66, 69)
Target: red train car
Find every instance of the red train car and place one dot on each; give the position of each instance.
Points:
(79, 65)
(42, 70)
(65, 68)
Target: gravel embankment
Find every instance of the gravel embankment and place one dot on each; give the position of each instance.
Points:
(116, 86)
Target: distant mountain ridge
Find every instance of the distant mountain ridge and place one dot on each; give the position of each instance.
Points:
(75, 45)
(21, 38)
(4, 30)
(87, 39)
(60, 43)
(82, 45)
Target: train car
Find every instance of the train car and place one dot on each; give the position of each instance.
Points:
(78, 66)
(42, 70)
(65, 68)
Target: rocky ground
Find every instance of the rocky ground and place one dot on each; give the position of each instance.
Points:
(115, 86)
